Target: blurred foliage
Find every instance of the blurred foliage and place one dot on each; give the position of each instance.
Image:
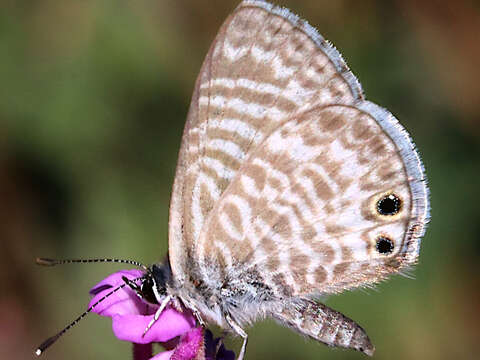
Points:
(92, 104)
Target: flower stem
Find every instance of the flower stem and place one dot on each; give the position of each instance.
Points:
(142, 351)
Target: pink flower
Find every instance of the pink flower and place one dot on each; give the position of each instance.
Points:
(175, 330)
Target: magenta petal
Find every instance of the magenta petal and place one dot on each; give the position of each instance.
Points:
(124, 301)
(189, 346)
(170, 324)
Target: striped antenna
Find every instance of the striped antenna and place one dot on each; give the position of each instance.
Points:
(51, 340)
(53, 262)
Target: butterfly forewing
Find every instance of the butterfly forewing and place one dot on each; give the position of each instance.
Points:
(260, 71)
(283, 164)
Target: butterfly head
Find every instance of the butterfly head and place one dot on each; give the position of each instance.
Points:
(153, 288)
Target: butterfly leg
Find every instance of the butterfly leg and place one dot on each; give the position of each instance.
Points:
(219, 345)
(197, 315)
(324, 324)
(239, 331)
(157, 313)
(194, 310)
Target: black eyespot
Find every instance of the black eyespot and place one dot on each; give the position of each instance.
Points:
(384, 245)
(389, 205)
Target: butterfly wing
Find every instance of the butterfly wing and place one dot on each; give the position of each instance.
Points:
(260, 70)
(281, 161)
(302, 213)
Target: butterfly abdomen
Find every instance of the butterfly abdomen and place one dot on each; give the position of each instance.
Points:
(323, 324)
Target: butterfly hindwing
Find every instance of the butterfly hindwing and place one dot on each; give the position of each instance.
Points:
(302, 210)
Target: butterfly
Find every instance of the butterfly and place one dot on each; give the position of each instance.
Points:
(289, 186)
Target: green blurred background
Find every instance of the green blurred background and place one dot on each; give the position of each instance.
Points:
(93, 100)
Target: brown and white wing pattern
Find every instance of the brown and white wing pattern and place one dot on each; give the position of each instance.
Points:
(262, 69)
(283, 164)
(302, 210)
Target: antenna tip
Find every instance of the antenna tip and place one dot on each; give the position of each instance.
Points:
(45, 262)
(38, 352)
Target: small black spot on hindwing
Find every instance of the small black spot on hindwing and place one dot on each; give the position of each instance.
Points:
(384, 245)
(389, 205)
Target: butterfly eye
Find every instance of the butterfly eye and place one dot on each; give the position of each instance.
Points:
(389, 205)
(384, 245)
